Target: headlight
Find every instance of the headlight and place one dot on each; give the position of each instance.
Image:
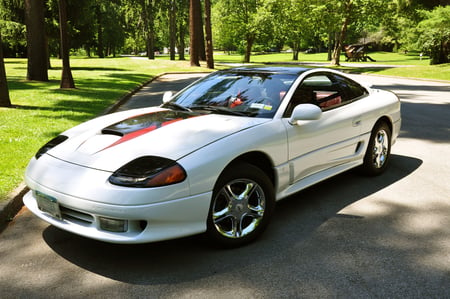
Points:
(148, 171)
(51, 144)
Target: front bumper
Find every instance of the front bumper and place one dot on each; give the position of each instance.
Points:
(145, 223)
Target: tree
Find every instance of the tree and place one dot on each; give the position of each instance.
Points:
(434, 34)
(172, 11)
(208, 35)
(113, 24)
(4, 92)
(99, 16)
(360, 16)
(13, 29)
(194, 31)
(346, 15)
(182, 20)
(148, 16)
(295, 24)
(280, 26)
(36, 45)
(242, 23)
(66, 77)
(250, 25)
(324, 18)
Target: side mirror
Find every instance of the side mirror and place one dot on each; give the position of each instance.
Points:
(305, 112)
(167, 96)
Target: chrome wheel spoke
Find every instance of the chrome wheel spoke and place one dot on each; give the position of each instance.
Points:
(249, 189)
(220, 215)
(257, 210)
(236, 228)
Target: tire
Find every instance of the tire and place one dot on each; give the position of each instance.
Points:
(378, 151)
(242, 204)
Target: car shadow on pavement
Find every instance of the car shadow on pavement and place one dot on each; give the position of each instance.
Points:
(294, 222)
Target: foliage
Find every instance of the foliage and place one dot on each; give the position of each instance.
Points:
(240, 23)
(12, 27)
(109, 27)
(14, 35)
(434, 34)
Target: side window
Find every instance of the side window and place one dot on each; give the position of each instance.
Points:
(319, 90)
(350, 90)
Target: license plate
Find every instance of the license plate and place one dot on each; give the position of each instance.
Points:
(48, 204)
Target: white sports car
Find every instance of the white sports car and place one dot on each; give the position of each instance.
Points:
(213, 158)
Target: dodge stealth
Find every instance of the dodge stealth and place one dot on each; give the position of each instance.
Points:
(213, 158)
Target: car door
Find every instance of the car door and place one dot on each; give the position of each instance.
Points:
(326, 145)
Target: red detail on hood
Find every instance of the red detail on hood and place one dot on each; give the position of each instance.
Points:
(170, 122)
(132, 135)
(135, 134)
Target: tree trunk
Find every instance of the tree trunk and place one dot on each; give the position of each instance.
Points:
(194, 15)
(208, 32)
(330, 46)
(66, 78)
(151, 43)
(201, 36)
(335, 60)
(439, 53)
(181, 44)
(295, 50)
(148, 30)
(151, 31)
(4, 92)
(100, 50)
(248, 48)
(172, 30)
(336, 57)
(47, 53)
(36, 46)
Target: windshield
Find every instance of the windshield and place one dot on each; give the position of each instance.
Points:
(237, 93)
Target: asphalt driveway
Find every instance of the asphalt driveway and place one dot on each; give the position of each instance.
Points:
(348, 237)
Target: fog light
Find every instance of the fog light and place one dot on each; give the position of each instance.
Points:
(113, 225)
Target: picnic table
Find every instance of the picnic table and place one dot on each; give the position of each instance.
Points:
(356, 53)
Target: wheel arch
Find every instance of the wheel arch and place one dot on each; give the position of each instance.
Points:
(257, 159)
(384, 119)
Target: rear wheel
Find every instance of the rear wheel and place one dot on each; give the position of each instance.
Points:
(378, 151)
(242, 203)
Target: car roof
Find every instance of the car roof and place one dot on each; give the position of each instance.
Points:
(292, 70)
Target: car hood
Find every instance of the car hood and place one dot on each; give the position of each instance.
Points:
(108, 142)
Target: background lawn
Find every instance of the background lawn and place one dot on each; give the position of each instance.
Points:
(42, 110)
(388, 64)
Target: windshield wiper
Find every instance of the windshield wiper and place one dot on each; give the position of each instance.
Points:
(175, 106)
(220, 110)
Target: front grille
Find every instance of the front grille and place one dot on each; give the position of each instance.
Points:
(74, 215)
(88, 220)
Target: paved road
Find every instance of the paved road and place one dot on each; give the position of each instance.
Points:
(151, 95)
(350, 236)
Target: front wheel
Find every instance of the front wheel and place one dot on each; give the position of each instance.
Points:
(242, 203)
(378, 151)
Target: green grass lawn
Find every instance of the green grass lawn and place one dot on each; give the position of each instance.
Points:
(42, 110)
(389, 64)
(380, 57)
